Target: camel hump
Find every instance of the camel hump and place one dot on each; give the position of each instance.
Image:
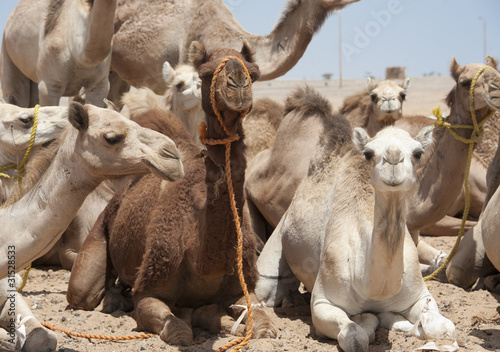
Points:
(307, 101)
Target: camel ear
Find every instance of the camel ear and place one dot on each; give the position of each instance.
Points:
(246, 51)
(360, 137)
(168, 73)
(406, 83)
(78, 116)
(490, 61)
(425, 136)
(369, 84)
(197, 54)
(455, 69)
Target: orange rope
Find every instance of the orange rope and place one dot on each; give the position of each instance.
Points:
(98, 337)
(240, 342)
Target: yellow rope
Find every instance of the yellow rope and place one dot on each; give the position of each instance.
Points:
(240, 342)
(98, 337)
(21, 171)
(25, 278)
(476, 135)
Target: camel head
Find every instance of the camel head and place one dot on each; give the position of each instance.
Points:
(486, 91)
(111, 145)
(185, 85)
(393, 156)
(16, 125)
(387, 99)
(233, 90)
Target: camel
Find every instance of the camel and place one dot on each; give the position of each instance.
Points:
(354, 252)
(66, 47)
(268, 192)
(15, 133)
(180, 247)
(149, 33)
(436, 193)
(261, 125)
(379, 106)
(101, 144)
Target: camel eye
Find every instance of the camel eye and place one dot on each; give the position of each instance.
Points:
(179, 86)
(402, 95)
(368, 153)
(373, 96)
(417, 154)
(466, 83)
(113, 139)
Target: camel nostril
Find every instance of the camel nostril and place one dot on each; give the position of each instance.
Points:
(168, 154)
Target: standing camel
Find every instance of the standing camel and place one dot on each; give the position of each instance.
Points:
(179, 249)
(345, 237)
(65, 46)
(148, 33)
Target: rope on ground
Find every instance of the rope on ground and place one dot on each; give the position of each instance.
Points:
(97, 337)
(476, 137)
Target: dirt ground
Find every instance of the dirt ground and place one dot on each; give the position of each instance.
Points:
(474, 312)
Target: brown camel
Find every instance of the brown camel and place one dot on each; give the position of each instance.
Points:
(67, 46)
(148, 33)
(378, 106)
(176, 244)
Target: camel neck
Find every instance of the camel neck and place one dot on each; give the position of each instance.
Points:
(441, 178)
(40, 217)
(219, 236)
(385, 259)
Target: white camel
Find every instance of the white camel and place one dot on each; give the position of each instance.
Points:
(16, 126)
(345, 237)
(103, 144)
(66, 46)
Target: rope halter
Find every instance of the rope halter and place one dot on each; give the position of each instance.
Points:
(20, 170)
(476, 137)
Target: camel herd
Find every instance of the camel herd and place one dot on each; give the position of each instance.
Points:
(134, 192)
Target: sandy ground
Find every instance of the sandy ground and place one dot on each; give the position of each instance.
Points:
(474, 312)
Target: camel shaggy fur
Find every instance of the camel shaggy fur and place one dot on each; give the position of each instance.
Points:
(179, 249)
(67, 47)
(345, 237)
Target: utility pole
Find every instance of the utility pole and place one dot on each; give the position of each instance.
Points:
(485, 53)
(340, 51)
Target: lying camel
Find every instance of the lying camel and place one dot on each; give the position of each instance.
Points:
(179, 250)
(379, 106)
(345, 237)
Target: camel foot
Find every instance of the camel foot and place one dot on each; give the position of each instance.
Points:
(492, 283)
(176, 332)
(353, 338)
(435, 263)
(38, 338)
(263, 326)
(215, 319)
(117, 298)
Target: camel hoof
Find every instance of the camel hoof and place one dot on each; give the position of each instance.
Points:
(492, 283)
(176, 332)
(40, 339)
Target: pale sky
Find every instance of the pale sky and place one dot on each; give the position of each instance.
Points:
(421, 35)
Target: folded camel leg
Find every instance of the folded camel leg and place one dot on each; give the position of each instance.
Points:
(13, 309)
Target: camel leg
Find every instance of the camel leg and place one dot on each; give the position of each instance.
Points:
(214, 318)
(276, 279)
(15, 85)
(470, 261)
(447, 226)
(154, 315)
(49, 96)
(429, 257)
(38, 338)
(96, 95)
(334, 323)
(91, 270)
